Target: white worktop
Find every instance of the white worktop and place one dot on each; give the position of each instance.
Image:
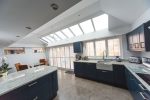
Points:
(18, 79)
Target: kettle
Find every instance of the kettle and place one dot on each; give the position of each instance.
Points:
(118, 59)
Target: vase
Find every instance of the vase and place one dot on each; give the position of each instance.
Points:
(4, 74)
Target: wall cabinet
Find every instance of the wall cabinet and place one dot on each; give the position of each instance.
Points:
(138, 39)
(44, 88)
(78, 47)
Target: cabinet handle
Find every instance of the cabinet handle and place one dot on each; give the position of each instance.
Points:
(104, 71)
(32, 84)
(140, 85)
(144, 98)
(36, 98)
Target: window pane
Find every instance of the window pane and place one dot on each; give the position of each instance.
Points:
(47, 40)
(90, 49)
(43, 41)
(100, 48)
(61, 35)
(114, 47)
(87, 26)
(68, 33)
(76, 30)
(50, 38)
(55, 37)
(67, 63)
(72, 54)
(100, 22)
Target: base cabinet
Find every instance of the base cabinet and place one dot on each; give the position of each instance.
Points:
(119, 76)
(44, 88)
(136, 88)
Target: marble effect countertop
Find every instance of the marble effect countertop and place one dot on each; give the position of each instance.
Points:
(18, 79)
(132, 67)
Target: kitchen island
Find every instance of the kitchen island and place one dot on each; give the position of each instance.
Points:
(38, 83)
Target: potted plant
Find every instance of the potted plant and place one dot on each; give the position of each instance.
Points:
(4, 67)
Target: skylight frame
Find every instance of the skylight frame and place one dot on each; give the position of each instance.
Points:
(61, 35)
(68, 33)
(50, 38)
(44, 38)
(43, 41)
(76, 27)
(87, 26)
(55, 37)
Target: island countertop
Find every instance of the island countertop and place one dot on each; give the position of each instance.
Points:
(18, 79)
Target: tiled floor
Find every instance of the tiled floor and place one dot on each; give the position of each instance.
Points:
(73, 88)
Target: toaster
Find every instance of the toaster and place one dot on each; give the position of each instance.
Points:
(136, 60)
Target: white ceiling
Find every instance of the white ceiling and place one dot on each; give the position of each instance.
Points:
(15, 15)
(125, 11)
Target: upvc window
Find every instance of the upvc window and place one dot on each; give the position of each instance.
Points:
(90, 48)
(100, 47)
(114, 47)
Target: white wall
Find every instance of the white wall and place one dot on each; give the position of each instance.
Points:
(29, 58)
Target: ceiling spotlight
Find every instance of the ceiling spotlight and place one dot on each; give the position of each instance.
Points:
(54, 6)
(17, 36)
(28, 27)
(148, 27)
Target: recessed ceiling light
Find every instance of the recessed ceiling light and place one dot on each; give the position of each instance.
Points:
(28, 27)
(148, 27)
(17, 36)
(54, 6)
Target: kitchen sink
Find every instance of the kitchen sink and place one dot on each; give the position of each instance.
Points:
(104, 65)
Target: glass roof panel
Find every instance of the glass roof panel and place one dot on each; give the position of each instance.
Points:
(76, 30)
(68, 33)
(50, 38)
(87, 26)
(43, 41)
(101, 22)
(55, 37)
(61, 35)
(47, 40)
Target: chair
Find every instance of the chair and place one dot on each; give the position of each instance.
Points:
(20, 67)
(43, 62)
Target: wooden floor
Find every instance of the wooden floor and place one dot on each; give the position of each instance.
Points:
(73, 88)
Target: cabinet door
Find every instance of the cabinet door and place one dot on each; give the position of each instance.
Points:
(119, 75)
(90, 71)
(79, 68)
(130, 42)
(40, 89)
(17, 94)
(54, 83)
(105, 76)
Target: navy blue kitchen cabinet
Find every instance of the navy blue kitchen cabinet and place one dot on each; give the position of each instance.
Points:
(44, 88)
(89, 71)
(54, 84)
(138, 91)
(85, 70)
(79, 68)
(119, 77)
(105, 76)
(78, 47)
